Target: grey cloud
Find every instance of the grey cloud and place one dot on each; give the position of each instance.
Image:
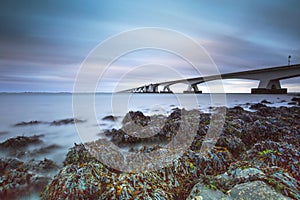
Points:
(233, 53)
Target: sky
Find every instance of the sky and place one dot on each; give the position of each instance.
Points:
(44, 43)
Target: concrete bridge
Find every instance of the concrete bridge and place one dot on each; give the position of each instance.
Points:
(269, 81)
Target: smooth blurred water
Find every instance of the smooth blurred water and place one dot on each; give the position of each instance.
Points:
(46, 107)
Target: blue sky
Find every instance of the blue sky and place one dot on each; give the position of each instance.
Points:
(43, 43)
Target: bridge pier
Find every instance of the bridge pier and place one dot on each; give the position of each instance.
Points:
(192, 89)
(166, 89)
(269, 87)
(155, 89)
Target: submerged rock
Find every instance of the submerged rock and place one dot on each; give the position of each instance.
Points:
(25, 146)
(35, 122)
(110, 118)
(45, 149)
(66, 121)
(3, 133)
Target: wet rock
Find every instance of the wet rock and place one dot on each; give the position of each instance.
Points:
(138, 117)
(45, 165)
(245, 171)
(138, 128)
(282, 181)
(235, 175)
(120, 138)
(69, 184)
(256, 151)
(17, 183)
(265, 112)
(85, 177)
(35, 122)
(292, 103)
(270, 153)
(258, 131)
(66, 121)
(265, 102)
(239, 108)
(234, 144)
(21, 142)
(254, 190)
(7, 164)
(171, 125)
(257, 106)
(212, 162)
(205, 192)
(78, 155)
(18, 178)
(110, 118)
(297, 99)
(146, 149)
(238, 113)
(23, 153)
(95, 181)
(176, 114)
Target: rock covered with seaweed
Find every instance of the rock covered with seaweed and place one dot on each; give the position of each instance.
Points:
(256, 151)
(24, 177)
(18, 178)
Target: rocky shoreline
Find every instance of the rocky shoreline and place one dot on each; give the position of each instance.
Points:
(256, 157)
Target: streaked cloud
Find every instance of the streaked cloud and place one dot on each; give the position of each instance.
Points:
(43, 43)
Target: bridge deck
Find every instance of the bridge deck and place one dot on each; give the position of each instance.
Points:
(264, 75)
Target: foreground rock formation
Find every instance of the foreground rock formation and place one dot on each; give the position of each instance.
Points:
(256, 157)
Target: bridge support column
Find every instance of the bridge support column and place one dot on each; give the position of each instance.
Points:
(269, 87)
(166, 90)
(151, 89)
(192, 89)
(155, 88)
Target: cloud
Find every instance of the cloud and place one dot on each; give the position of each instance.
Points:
(232, 53)
(45, 42)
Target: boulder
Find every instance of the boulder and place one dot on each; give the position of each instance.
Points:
(255, 190)
(204, 192)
